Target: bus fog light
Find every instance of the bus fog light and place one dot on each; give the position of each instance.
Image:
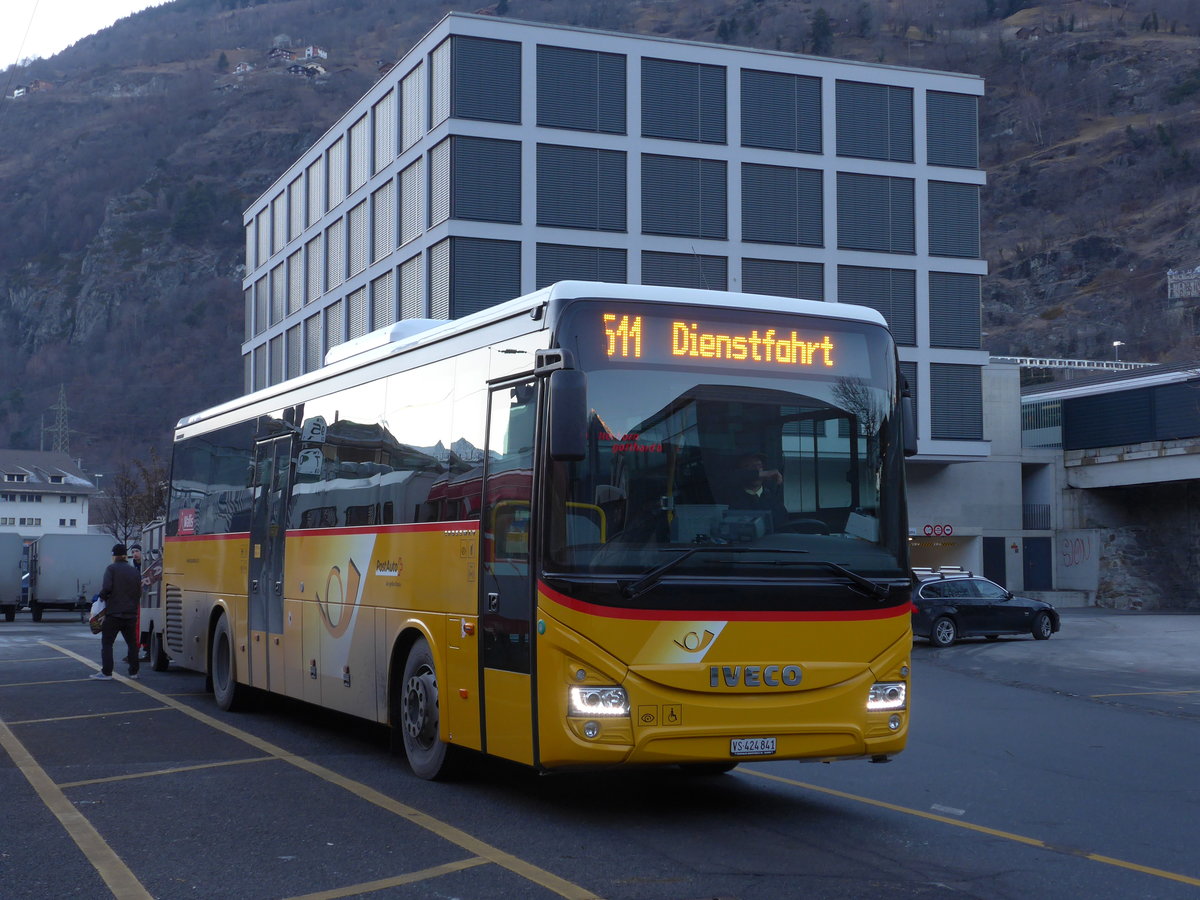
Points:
(591, 729)
(894, 722)
(599, 701)
(887, 695)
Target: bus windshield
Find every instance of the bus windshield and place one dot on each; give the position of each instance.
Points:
(774, 437)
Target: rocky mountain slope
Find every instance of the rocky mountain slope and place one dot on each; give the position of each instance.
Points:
(127, 163)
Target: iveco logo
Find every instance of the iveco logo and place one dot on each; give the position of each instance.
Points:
(753, 676)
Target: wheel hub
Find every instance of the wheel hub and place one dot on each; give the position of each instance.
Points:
(420, 707)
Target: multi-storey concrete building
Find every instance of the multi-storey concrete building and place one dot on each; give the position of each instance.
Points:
(498, 157)
(42, 493)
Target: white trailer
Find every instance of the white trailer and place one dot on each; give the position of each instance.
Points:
(65, 570)
(12, 554)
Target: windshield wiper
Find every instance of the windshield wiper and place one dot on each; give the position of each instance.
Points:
(878, 591)
(634, 589)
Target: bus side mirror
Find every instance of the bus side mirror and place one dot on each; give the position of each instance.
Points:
(568, 415)
(908, 417)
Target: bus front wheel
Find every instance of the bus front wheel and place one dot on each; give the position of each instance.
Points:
(221, 667)
(419, 717)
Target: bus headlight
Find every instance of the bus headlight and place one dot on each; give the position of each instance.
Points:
(887, 695)
(599, 701)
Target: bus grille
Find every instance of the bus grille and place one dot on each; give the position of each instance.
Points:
(173, 630)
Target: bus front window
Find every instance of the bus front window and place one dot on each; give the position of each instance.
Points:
(678, 460)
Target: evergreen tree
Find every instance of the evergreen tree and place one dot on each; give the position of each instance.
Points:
(822, 33)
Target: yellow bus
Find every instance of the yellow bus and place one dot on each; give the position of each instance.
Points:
(598, 525)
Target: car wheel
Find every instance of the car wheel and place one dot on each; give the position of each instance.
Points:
(944, 632)
(419, 716)
(1042, 626)
(222, 668)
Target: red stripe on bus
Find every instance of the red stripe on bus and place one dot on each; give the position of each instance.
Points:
(230, 536)
(725, 615)
(471, 525)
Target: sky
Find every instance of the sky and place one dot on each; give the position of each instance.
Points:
(44, 27)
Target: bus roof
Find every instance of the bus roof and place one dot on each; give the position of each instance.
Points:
(410, 334)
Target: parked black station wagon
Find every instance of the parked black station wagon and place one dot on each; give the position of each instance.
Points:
(953, 605)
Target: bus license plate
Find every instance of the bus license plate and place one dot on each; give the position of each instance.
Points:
(752, 746)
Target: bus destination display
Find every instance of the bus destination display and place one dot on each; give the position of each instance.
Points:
(808, 345)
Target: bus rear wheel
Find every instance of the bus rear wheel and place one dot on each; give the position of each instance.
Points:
(419, 718)
(221, 667)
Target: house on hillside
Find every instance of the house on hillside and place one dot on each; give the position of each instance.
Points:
(314, 52)
(39, 85)
(306, 71)
(1183, 283)
(42, 493)
(1031, 33)
(282, 53)
(20, 91)
(242, 68)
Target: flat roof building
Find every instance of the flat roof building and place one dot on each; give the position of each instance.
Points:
(498, 157)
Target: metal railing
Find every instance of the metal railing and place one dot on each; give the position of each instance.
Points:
(1035, 516)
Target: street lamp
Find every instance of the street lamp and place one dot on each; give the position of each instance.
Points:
(1117, 345)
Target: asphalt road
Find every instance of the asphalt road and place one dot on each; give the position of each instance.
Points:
(1060, 768)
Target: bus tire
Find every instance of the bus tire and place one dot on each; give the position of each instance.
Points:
(222, 668)
(10, 613)
(35, 610)
(418, 716)
(159, 661)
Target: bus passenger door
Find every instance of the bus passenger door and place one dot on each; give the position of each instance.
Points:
(268, 525)
(506, 587)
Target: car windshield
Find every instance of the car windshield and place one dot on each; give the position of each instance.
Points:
(789, 471)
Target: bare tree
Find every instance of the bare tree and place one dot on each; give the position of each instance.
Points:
(135, 496)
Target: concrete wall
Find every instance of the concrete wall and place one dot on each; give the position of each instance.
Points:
(974, 500)
(1148, 544)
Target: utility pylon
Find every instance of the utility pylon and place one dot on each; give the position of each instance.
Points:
(60, 429)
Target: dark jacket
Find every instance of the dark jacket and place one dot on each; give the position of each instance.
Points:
(122, 590)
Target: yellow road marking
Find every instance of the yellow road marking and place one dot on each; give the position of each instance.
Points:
(982, 829)
(213, 765)
(37, 683)
(120, 880)
(444, 830)
(32, 659)
(381, 884)
(1146, 694)
(99, 715)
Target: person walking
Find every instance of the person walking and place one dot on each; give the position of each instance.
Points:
(121, 593)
